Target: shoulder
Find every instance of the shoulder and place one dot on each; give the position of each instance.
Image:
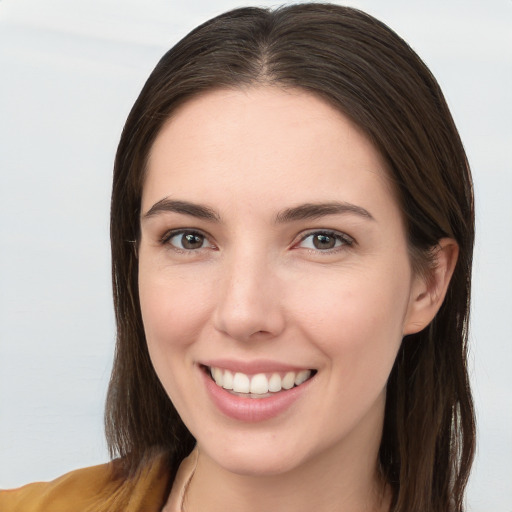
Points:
(78, 487)
(94, 488)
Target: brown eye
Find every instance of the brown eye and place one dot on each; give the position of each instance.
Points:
(322, 241)
(325, 241)
(188, 240)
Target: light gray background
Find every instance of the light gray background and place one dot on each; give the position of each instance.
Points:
(69, 73)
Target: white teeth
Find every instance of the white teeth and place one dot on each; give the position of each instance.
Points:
(274, 383)
(217, 376)
(259, 384)
(289, 380)
(241, 383)
(227, 381)
(302, 376)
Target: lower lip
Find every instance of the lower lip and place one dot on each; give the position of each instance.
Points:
(253, 409)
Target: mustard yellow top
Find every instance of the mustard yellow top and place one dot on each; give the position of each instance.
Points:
(94, 489)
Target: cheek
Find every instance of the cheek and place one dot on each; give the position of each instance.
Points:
(357, 320)
(173, 312)
(173, 307)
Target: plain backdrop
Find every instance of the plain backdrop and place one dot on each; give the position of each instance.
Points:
(69, 73)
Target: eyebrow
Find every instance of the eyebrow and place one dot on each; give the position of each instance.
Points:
(310, 211)
(306, 211)
(183, 207)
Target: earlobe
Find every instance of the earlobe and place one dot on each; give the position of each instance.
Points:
(428, 291)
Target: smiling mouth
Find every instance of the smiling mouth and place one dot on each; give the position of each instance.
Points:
(260, 385)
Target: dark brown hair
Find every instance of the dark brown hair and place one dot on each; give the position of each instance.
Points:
(371, 75)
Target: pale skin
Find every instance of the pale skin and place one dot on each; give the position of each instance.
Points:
(257, 284)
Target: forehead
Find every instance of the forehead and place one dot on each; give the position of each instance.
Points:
(287, 142)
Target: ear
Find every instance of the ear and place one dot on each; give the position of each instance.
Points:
(428, 291)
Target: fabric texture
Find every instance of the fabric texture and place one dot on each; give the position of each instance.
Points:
(95, 489)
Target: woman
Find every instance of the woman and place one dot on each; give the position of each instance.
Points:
(292, 232)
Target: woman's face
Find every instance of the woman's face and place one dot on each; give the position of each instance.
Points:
(272, 250)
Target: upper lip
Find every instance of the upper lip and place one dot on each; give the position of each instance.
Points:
(253, 367)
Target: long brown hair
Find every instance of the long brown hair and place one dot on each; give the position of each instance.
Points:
(371, 75)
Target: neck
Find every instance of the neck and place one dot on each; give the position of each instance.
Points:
(341, 479)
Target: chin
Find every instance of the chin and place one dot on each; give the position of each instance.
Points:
(259, 464)
(264, 454)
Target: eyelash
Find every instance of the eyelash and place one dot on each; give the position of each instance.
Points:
(169, 235)
(343, 239)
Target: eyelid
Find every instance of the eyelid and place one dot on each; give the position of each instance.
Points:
(347, 240)
(168, 235)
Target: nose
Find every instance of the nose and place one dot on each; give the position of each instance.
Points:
(249, 299)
